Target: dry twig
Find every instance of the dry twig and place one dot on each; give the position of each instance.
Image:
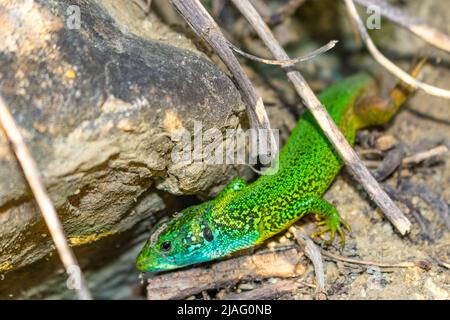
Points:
(312, 251)
(306, 57)
(283, 263)
(418, 27)
(386, 63)
(403, 264)
(424, 155)
(36, 184)
(391, 161)
(322, 117)
(205, 26)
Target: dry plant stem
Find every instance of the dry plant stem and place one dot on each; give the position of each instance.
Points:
(282, 263)
(351, 159)
(418, 27)
(405, 264)
(410, 160)
(355, 32)
(386, 63)
(205, 26)
(313, 253)
(306, 57)
(34, 179)
(421, 156)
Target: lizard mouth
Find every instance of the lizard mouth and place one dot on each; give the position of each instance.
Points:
(149, 261)
(148, 265)
(142, 265)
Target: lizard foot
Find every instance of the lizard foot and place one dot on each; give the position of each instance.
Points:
(333, 224)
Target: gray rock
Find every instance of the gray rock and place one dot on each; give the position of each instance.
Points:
(97, 106)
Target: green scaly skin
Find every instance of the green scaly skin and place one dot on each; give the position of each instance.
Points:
(242, 215)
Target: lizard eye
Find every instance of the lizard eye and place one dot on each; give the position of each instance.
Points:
(166, 246)
(207, 234)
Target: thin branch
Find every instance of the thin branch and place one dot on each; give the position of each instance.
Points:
(349, 156)
(280, 263)
(288, 62)
(396, 157)
(418, 27)
(391, 161)
(34, 179)
(312, 251)
(403, 264)
(421, 156)
(386, 63)
(205, 27)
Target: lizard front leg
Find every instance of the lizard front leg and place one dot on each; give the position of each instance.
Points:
(332, 221)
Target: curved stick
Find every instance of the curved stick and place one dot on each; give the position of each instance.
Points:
(31, 172)
(388, 64)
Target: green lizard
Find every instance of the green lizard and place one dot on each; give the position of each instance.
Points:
(244, 215)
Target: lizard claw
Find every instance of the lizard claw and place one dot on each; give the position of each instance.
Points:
(333, 224)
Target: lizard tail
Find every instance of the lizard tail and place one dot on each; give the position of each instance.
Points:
(401, 92)
(373, 110)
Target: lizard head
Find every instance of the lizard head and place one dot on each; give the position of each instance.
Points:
(186, 239)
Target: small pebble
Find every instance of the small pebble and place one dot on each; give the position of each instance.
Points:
(246, 286)
(385, 143)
